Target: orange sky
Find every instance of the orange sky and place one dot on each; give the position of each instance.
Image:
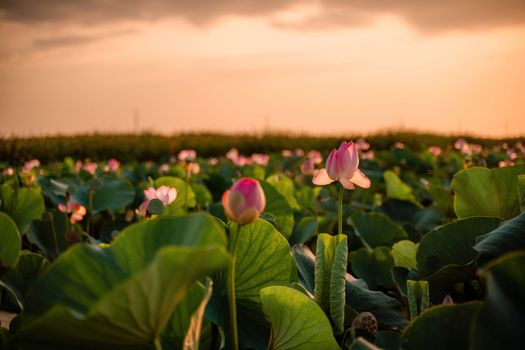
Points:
(309, 66)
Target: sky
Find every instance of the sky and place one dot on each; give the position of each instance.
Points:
(299, 66)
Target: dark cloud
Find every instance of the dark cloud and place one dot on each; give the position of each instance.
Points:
(424, 15)
(73, 40)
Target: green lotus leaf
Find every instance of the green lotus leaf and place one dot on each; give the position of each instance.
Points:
(122, 296)
(487, 192)
(297, 321)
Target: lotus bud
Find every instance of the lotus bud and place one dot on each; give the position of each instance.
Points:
(244, 202)
(448, 300)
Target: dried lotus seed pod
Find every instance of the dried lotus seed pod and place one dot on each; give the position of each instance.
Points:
(365, 321)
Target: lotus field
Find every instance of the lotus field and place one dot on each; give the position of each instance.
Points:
(357, 248)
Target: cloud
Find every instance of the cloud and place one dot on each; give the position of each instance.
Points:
(73, 40)
(423, 15)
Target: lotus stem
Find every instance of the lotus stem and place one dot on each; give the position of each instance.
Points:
(187, 185)
(231, 291)
(340, 210)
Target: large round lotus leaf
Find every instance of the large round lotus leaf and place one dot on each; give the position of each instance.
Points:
(510, 236)
(376, 229)
(285, 186)
(106, 193)
(18, 280)
(500, 322)
(297, 321)
(304, 230)
(177, 206)
(277, 206)
(23, 205)
(441, 328)
(397, 189)
(10, 241)
(50, 233)
(374, 266)
(404, 254)
(122, 296)
(263, 259)
(187, 318)
(452, 243)
(487, 192)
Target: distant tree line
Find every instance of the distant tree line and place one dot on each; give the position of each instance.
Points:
(134, 147)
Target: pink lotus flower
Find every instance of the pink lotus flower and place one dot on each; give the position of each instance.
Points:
(165, 194)
(286, 153)
(475, 148)
(368, 155)
(232, 154)
(342, 165)
(399, 145)
(244, 202)
(194, 168)
(362, 145)
(447, 300)
(9, 171)
(315, 157)
(112, 165)
(504, 163)
(299, 152)
(28, 166)
(187, 155)
(435, 150)
(213, 161)
(76, 210)
(164, 168)
(90, 167)
(260, 159)
(512, 155)
(307, 167)
(462, 146)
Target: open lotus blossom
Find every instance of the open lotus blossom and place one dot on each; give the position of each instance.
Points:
(187, 154)
(260, 159)
(315, 156)
(28, 166)
(362, 145)
(112, 165)
(435, 150)
(462, 146)
(399, 145)
(164, 168)
(286, 153)
(165, 194)
(232, 154)
(307, 167)
(342, 165)
(244, 202)
(90, 167)
(76, 210)
(504, 163)
(9, 171)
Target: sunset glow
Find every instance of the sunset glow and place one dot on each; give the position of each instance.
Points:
(282, 68)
